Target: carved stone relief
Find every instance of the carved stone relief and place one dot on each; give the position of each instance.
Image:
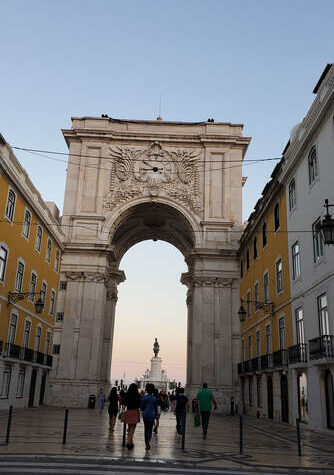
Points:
(154, 171)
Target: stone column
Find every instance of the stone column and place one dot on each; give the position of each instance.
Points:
(38, 386)
(113, 278)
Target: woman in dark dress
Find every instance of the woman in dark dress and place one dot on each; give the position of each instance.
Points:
(132, 413)
(113, 401)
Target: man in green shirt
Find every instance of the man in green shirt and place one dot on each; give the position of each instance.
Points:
(205, 398)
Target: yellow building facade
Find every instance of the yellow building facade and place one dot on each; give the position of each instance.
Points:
(266, 323)
(30, 257)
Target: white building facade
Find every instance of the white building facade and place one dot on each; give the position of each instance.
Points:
(308, 174)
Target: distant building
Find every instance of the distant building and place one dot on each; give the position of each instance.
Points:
(30, 255)
(156, 374)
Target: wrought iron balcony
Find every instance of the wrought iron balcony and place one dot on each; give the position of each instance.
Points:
(256, 364)
(321, 347)
(26, 354)
(1, 346)
(298, 353)
(241, 367)
(267, 361)
(280, 358)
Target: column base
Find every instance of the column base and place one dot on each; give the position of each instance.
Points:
(73, 393)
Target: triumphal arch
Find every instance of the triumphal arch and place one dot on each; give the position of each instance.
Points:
(132, 180)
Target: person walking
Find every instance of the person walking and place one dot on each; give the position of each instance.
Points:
(205, 398)
(101, 399)
(149, 407)
(113, 404)
(132, 413)
(181, 407)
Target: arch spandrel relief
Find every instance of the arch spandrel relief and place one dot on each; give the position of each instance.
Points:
(155, 171)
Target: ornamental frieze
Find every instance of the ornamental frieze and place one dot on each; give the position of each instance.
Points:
(154, 171)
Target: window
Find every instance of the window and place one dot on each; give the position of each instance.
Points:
(241, 268)
(56, 349)
(279, 276)
(26, 224)
(312, 165)
(256, 295)
(266, 287)
(292, 194)
(247, 259)
(10, 207)
(250, 347)
(19, 277)
(264, 234)
(3, 262)
(259, 391)
(318, 242)
(52, 302)
(281, 329)
(38, 338)
(62, 285)
(59, 316)
(44, 290)
(268, 339)
(255, 248)
(5, 382)
(243, 350)
(57, 259)
(276, 217)
(250, 391)
(258, 343)
(249, 305)
(323, 315)
(32, 287)
(26, 334)
(38, 242)
(20, 383)
(300, 337)
(47, 342)
(48, 250)
(12, 329)
(296, 260)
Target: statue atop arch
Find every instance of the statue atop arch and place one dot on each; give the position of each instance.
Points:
(156, 347)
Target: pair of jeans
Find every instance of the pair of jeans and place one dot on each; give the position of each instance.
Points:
(148, 426)
(205, 416)
(181, 422)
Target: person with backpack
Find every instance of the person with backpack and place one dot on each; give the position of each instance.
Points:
(181, 407)
(149, 408)
(205, 398)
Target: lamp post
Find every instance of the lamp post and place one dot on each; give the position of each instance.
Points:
(327, 225)
(13, 297)
(259, 305)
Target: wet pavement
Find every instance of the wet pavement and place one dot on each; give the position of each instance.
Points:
(268, 445)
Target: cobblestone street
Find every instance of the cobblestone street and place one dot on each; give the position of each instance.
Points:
(267, 445)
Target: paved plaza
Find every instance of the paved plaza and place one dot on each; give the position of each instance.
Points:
(269, 447)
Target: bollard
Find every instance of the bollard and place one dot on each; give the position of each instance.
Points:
(65, 426)
(124, 434)
(9, 423)
(241, 434)
(298, 438)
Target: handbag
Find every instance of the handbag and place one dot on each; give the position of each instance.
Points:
(121, 416)
(197, 420)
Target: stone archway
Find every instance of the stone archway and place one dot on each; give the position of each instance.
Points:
(129, 181)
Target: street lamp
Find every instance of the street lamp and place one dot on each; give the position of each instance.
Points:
(327, 225)
(259, 305)
(13, 297)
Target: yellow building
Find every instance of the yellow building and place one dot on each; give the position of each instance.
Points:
(265, 312)
(30, 255)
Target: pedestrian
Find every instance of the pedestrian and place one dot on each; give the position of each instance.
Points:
(149, 407)
(113, 405)
(132, 413)
(101, 399)
(181, 407)
(205, 398)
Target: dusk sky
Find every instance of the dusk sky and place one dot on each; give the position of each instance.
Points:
(247, 62)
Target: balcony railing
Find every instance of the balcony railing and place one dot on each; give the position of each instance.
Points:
(26, 354)
(1, 346)
(298, 353)
(256, 364)
(267, 361)
(321, 347)
(280, 358)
